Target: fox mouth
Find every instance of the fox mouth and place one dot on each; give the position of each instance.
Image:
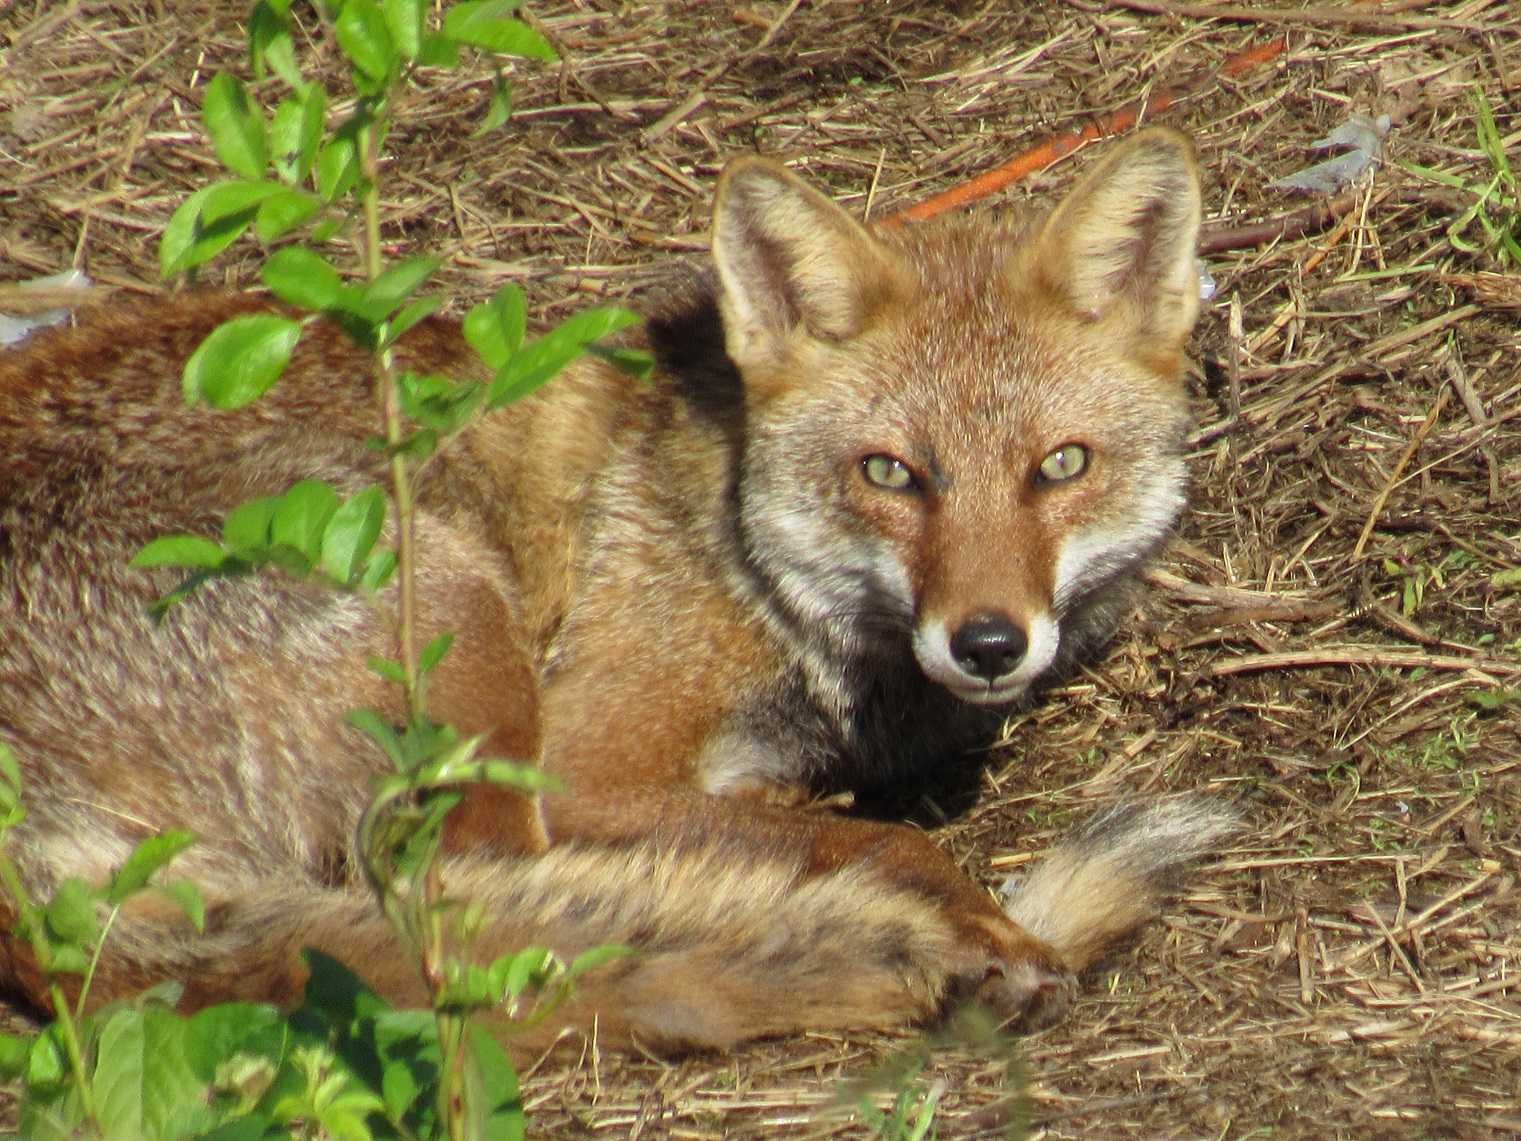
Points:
(988, 693)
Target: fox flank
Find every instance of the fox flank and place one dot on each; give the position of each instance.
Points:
(883, 485)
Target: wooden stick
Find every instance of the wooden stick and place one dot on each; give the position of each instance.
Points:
(1286, 226)
(1399, 470)
(1314, 17)
(1060, 146)
(1358, 656)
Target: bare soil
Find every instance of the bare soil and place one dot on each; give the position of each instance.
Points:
(1333, 640)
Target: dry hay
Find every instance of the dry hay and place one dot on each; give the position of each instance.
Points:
(1326, 636)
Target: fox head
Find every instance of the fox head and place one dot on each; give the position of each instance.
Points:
(959, 434)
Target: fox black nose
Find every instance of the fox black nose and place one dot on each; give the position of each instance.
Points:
(989, 645)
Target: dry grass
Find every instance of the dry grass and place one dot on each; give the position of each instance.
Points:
(1328, 634)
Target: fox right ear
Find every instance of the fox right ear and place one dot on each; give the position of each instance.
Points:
(1121, 246)
(789, 260)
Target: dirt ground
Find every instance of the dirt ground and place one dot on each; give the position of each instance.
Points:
(1333, 640)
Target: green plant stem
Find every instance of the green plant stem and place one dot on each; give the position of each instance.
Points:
(32, 917)
(426, 925)
(100, 946)
(65, 1023)
(401, 483)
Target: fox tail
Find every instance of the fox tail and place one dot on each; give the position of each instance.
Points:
(1113, 874)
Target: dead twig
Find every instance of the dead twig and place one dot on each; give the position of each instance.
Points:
(1285, 227)
(1060, 146)
(1314, 17)
(1359, 656)
(1399, 469)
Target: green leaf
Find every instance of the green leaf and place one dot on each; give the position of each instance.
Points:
(400, 1088)
(337, 168)
(515, 774)
(594, 957)
(297, 275)
(365, 39)
(529, 967)
(481, 24)
(407, 1044)
(493, 1100)
(438, 403)
(419, 445)
(269, 42)
(638, 363)
(336, 994)
(182, 1058)
(496, 326)
(45, 1063)
(539, 360)
(11, 812)
(234, 199)
(379, 730)
(118, 1078)
(209, 221)
(378, 569)
(146, 859)
(386, 668)
(236, 126)
(404, 20)
(14, 1049)
(246, 528)
(434, 652)
(395, 284)
(70, 959)
(411, 314)
(302, 516)
(500, 108)
(351, 533)
(188, 896)
(295, 133)
(438, 51)
(279, 214)
(179, 551)
(241, 358)
(70, 914)
(325, 228)
(230, 566)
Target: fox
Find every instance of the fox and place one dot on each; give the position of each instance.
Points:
(885, 485)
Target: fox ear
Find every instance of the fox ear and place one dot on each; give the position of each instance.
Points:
(789, 260)
(1121, 246)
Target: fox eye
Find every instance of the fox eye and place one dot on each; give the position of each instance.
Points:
(1067, 461)
(888, 472)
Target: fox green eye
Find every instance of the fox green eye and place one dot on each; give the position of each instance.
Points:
(1067, 461)
(888, 472)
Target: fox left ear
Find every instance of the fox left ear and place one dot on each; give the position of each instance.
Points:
(790, 260)
(1121, 246)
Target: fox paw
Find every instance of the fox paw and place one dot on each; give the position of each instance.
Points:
(1030, 995)
(1018, 977)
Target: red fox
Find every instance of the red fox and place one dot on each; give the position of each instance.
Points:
(884, 484)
